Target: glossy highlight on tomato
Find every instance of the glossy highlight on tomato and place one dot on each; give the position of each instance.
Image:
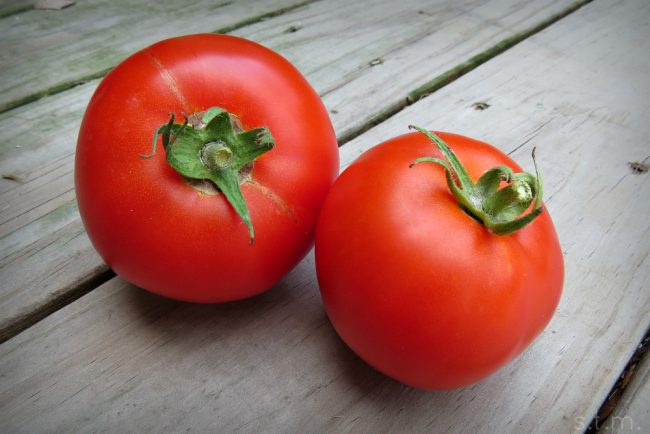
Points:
(181, 238)
(415, 286)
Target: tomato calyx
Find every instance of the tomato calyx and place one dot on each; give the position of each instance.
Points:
(213, 146)
(500, 210)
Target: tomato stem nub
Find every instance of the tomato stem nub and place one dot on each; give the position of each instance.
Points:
(214, 147)
(501, 210)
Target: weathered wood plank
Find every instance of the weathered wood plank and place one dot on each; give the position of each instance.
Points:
(583, 107)
(335, 46)
(384, 52)
(10, 7)
(121, 358)
(87, 39)
(633, 411)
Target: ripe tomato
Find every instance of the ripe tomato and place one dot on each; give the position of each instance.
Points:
(184, 238)
(418, 288)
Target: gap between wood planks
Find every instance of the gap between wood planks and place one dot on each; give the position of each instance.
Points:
(16, 8)
(458, 71)
(416, 94)
(600, 422)
(86, 78)
(41, 312)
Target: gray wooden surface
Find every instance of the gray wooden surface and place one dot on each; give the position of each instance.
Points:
(633, 411)
(336, 47)
(119, 359)
(84, 41)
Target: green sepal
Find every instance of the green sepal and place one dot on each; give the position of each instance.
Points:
(507, 228)
(539, 187)
(228, 183)
(164, 130)
(458, 169)
(217, 128)
(214, 150)
(253, 143)
(464, 199)
(509, 202)
(501, 210)
(211, 113)
(185, 155)
(491, 180)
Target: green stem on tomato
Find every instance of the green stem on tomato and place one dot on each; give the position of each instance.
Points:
(500, 210)
(214, 148)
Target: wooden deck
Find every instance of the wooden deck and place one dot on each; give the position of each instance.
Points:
(86, 351)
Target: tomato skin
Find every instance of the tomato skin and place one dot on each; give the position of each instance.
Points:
(416, 287)
(148, 223)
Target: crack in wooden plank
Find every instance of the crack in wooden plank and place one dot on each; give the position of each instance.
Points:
(16, 8)
(613, 399)
(484, 56)
(17, 324)
(4, 107)
(61, 87)
(262, 17)
(458, 71)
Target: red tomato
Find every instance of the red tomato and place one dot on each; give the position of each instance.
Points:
(149, 223)
(414, 285)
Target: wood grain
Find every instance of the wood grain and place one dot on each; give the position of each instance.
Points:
(124, 360)
(44, 52)
(335, 46)
(581, 100)
(633, 411)
(11, 7)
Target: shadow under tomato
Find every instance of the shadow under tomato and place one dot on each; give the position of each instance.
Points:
(175, 319)
(279, 345)
(377, 403)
